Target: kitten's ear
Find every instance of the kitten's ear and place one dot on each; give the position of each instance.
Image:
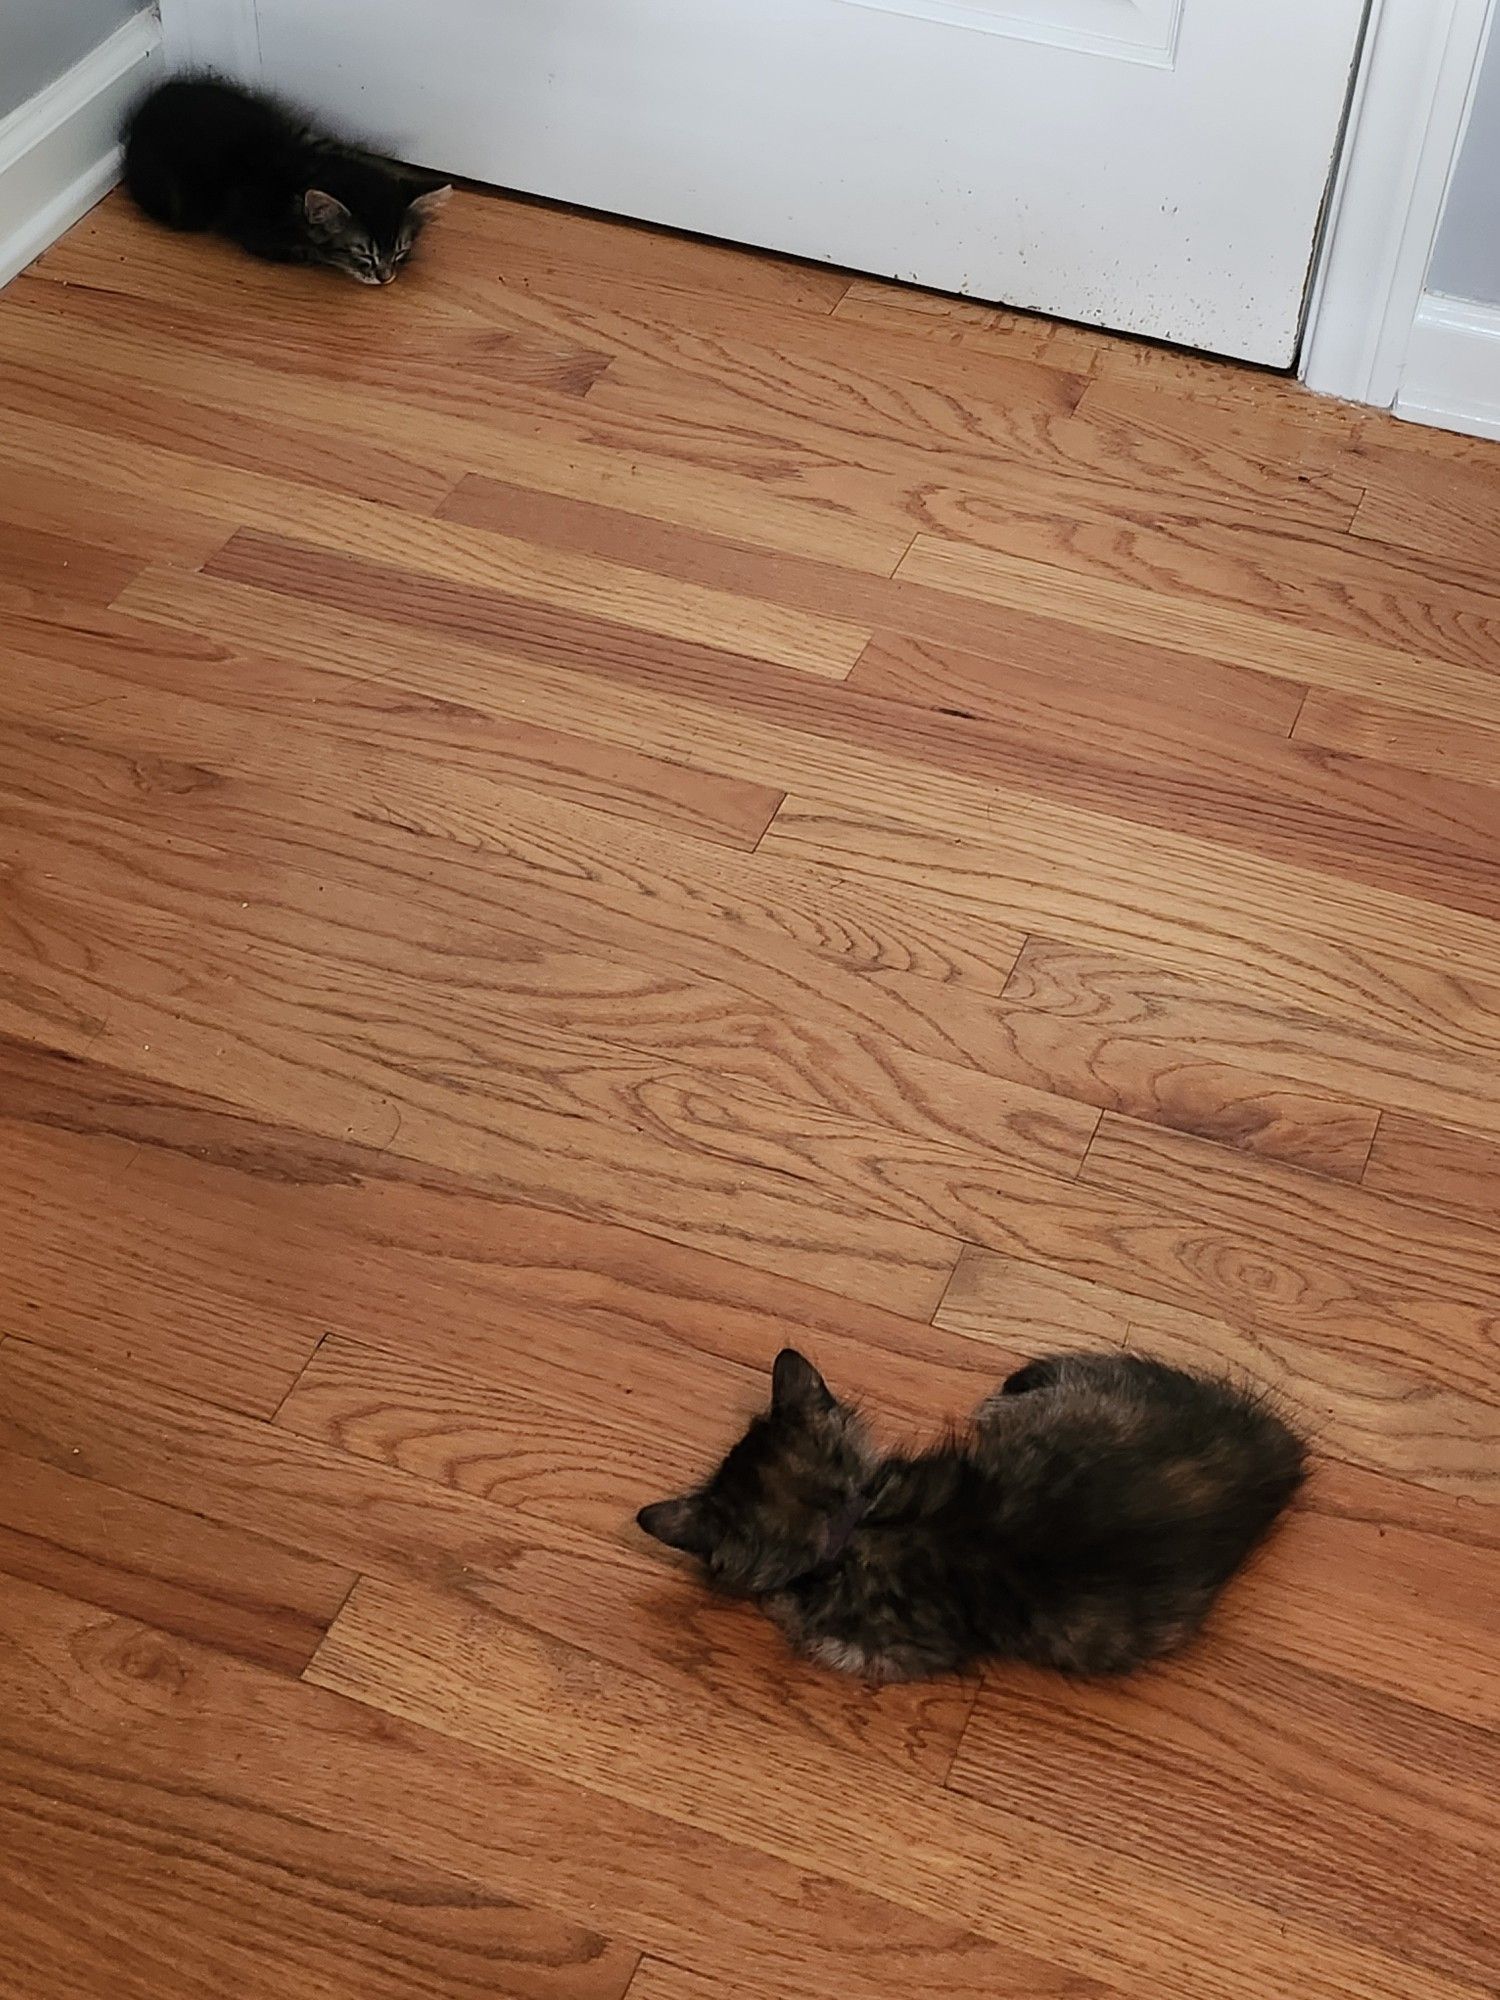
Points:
(797, 1387)
(324, 211)
(678, 1523)
(425, 206)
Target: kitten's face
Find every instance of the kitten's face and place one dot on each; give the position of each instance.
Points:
(772, 1511)
(369, 249)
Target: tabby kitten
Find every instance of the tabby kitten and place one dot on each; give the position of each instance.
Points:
(1086, 1519)
(201, 154)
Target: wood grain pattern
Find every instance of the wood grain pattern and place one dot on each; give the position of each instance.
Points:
(172, 1293)
(353, 736)
(163, 1566)
(1375, 660)
(431, 1661)
(220, 1754)
(615, 807)
(1436, 1167)
(1062, 668)
(1469, 750)
(48, 572)
(1406, 1281)
(1300, 1792)
(218, 1900)
(1442, 509)
(589, 1468)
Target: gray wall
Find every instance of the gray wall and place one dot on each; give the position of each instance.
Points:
(1466, 262)
(39, 39)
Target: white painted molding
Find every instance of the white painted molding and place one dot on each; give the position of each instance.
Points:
(1452, 372)
(60, 151)
(221, 35)
(1416, 79)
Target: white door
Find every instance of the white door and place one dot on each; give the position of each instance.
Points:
(1157, 166)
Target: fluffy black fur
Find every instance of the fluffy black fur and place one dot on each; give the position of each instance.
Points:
(201, 154)
(1085, 1520)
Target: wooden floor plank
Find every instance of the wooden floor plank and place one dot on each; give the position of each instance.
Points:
(1389, 1034)
(1440, 509)
(272, 717)
(553, 1117)
(1063, 667)
(169, 1291)
(1292, 1790)
(217, 1584)
(338, 1236)
(933, 773)
(1436, 1167)
(1393, 664)
(42, 572)
(1429, 1273)
(1467, 750)
(557, 1455)
(376, 446)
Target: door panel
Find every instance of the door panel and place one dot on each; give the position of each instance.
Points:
(1138, 164)
(1142, 30)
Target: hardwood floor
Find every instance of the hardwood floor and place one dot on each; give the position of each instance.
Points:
(618, 805)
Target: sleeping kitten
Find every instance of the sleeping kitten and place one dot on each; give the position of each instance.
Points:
(201, 154)
(1085, 1520)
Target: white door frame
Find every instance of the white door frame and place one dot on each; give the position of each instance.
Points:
(1408, 108)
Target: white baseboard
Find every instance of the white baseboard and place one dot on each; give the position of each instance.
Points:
(1452, 372)
(60, 151)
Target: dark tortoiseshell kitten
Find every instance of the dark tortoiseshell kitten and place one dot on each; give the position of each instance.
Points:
(202, 154)
(1085, 1520)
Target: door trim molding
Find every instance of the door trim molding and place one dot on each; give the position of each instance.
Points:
(1452, 372)
(1410, 104)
